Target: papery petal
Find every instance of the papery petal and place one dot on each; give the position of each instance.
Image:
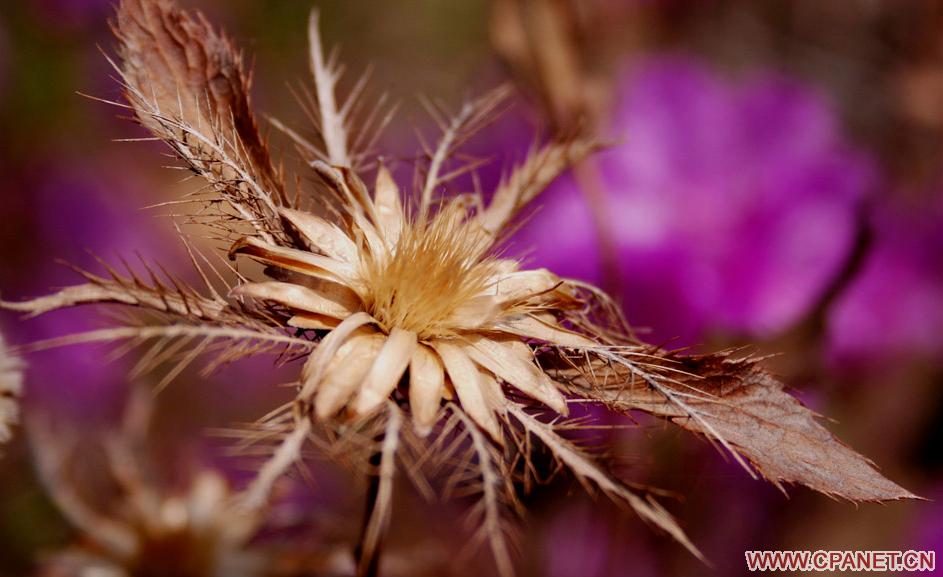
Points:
(346, 371)
(465, 377)
(545, 329)
(494, 396)
(314, 368)
(512, 361)
(426, 387)
(475, 312)
(323, 235)
(298, 297)
(300, 261)
(522, 284)
(389, 367)
(388, 206)
(313, 321)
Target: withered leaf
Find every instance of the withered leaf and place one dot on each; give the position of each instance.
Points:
(740, 403)
(187, 84)
(190, 68)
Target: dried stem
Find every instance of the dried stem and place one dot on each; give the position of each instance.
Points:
(594, 191)
(379, 497)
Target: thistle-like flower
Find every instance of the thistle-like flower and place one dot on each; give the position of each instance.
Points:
(422, 296)
(403, 305)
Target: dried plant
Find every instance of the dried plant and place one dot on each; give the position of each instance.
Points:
(426, 351)
(145, 528)
(149, 526)
(11, 386)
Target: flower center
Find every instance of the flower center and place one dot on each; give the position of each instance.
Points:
(433, 272)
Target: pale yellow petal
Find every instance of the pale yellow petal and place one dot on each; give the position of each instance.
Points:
(491, 389)
(297, 297)
(465, 377)
(346, 372)
(299, 261)
(388, 205)
(545, 329)
(386, 372)
(313, 321)
(524, 284)
(426, 387)
(323, 235)
(475, 312)
(512, 361)
(317, 362)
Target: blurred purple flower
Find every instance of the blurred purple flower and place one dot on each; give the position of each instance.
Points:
(71, 14)
(74, 213)
(733, 203)
(894, 308)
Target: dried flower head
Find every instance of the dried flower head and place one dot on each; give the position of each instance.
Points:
(11, 386)
(143, 528)
(403, 305)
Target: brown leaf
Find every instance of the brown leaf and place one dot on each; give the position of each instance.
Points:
(750, 411)
(187, 84)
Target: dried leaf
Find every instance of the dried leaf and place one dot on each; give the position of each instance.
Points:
(187, 84)
(750, 410)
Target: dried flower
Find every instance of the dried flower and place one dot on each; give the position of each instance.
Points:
(404, 306)
(143, 528)
(11, 386)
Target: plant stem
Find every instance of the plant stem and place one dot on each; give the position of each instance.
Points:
(594, 192)
(368, 562)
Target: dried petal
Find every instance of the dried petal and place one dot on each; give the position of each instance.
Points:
(426, 388)
(545, 328)
(512, 361)
(389, 367)
(323, 235)
(295, 260)
(346, 372)
(465, 377)
(388, 206)
(297, 297)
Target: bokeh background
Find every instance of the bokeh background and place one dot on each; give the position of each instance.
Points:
(775, 180)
